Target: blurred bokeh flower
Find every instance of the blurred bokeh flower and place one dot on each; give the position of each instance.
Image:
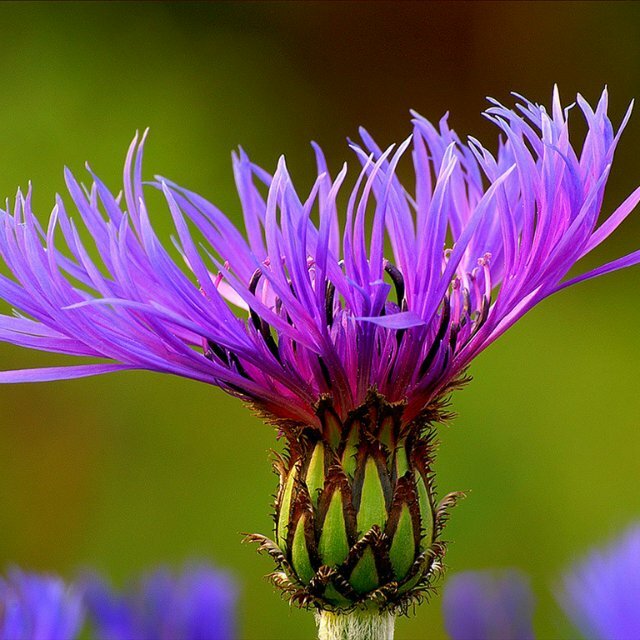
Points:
(197, 604)
(601, 593)
(488, 605)
(38, 607)
(348, 332)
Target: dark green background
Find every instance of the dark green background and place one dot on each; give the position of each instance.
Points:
(127, 471)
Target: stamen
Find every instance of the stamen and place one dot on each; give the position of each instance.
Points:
(484, 298)
(218, 351)
(325, 371)
(484, 263)
(233, 359)
(329, 299)
(253, 285)
(261, 325)
(455, 299)
(442, 330)
(227, 357)
(466, 307)
(398, 280)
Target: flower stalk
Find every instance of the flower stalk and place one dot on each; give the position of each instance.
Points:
(357, 625)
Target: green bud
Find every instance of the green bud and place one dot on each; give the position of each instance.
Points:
(300, 554)
(333, 545)
(356, 523)
(284, 508)
(372, 503)
(403, 548)
(315, 473)
(426, 508)
(364, 577)
(350, 452)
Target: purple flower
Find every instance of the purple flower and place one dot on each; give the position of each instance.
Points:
(601, 594)
(38, 607)
(346, 325)
(198, 604)
(399, 294)
(485, 605)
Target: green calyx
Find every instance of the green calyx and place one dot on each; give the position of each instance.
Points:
(357, 524)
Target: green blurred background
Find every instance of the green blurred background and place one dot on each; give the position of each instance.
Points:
(127, 471)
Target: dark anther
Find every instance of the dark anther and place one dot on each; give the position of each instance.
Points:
(325, 371)
(229, 358)
(465, 315)
(467, 301)
(442, 330)
(253, 285)
(329, 297)
(261, 325)
(484, 311)
(485, 305)
(453, 336)
(398, 280)
(218, 351)
(233, 359)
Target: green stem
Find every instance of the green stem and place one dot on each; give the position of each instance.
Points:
(357, 625)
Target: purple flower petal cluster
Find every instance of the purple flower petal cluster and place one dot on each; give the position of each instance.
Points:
(392, 290)
(38, 607)
(485, 605)
(601, 594)
(198, 604)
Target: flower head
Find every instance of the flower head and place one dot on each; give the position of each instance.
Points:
(198, 604)
(346, 325)
(38, 607)
(601, 593)
(399, 295)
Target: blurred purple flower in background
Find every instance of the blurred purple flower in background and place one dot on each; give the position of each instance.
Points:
(488, 605)
(601, 594)
(198, 604)
(38, 607)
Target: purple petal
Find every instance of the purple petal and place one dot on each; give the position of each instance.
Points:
(400, 320)
(59, 373)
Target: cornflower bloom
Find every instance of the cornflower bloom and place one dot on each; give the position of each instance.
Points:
(488, 605)
(346, 331)
(198, 604)
(38, 607)
(600, 594)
